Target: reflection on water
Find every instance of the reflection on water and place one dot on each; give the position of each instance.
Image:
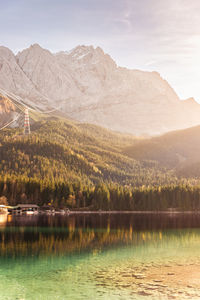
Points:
(3, 219)
(100, 257)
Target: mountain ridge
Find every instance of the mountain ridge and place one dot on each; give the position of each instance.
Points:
(88, 86)
(178, 150)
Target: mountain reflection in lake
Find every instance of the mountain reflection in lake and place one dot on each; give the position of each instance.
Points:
(122, 256)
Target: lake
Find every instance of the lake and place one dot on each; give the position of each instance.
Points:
(97, 256)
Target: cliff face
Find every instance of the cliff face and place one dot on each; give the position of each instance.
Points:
(87, 85)
(5, 105)
(7, 110)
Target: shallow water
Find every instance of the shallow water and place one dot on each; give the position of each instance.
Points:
(100, 257)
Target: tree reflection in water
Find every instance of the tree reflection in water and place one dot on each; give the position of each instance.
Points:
(61, 235)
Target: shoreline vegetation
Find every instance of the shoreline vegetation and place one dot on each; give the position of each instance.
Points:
(113, 212)
(104, 197)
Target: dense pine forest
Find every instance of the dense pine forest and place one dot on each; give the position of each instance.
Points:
(82, 166)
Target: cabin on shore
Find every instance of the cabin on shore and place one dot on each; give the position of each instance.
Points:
(3, 209)
(24, 208)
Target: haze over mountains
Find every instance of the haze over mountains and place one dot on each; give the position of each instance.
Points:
(88, 86)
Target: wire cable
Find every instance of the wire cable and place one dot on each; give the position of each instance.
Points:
(8, 124)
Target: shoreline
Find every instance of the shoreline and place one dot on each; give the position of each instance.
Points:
(106, 212)
(133, 212)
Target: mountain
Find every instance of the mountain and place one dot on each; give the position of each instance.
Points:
(88, 86)
(7, 110)
(13, 79)
(178, 150)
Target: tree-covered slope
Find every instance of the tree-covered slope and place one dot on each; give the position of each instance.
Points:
(178, 150)
(81, 165)
(63, 150)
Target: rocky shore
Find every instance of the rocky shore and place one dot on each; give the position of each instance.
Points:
(154, 280)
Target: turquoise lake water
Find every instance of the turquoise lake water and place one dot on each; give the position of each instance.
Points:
(99, 257)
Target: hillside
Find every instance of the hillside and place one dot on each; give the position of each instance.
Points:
(64, 153)
(178, 150)
(64, 149)
(7, 110)
(87, 85)
(77, 165)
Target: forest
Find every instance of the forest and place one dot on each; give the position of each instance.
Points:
(82, 166)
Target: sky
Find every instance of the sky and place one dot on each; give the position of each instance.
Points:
(152, 35)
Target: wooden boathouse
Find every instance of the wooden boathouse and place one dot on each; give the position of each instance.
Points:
(25, 208)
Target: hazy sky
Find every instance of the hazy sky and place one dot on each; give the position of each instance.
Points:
(161, 35)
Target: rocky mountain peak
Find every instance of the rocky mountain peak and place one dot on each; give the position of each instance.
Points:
(82, 55)
(191, 101)
(34, 52)
(33, 59)
(35, 46)
(6, 53)
(87, 85)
